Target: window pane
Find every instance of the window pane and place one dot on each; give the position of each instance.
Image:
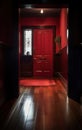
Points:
(28, 42)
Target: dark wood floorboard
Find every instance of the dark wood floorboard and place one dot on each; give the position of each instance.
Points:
(43, 108)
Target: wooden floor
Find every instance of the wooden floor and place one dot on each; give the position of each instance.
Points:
(44, 108)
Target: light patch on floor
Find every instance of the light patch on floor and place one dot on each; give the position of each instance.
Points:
(37, 82)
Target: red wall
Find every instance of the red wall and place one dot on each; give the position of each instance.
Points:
(37, 21)
(62, 59)
(64, 42)
(63, 27)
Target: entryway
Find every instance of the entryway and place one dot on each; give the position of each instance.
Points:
(37, 59)
(40, 54)
(43, 52)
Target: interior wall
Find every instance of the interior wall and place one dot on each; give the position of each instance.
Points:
(5, 41)
(2, 64)
(64, 63)
(6, 22)
(62, 56)
(75, 55)
(8, 50)
(64, 43)
(63, 27)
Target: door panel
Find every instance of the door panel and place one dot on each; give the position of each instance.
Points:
(43, 52)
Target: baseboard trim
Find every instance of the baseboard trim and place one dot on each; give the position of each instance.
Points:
(64, 81)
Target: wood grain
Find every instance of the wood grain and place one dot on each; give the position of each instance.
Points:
(44, 108)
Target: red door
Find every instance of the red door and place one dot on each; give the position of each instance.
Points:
(43, 52)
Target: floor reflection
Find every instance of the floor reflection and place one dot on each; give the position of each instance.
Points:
(28, 108)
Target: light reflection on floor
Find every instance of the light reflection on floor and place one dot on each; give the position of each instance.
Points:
(28, 108)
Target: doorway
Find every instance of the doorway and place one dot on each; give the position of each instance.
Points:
(38, 50)
(43, 53)
(45, 58)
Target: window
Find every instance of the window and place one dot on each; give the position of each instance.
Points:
(27, 42)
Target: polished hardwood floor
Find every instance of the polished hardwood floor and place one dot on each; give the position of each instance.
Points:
(42, 108)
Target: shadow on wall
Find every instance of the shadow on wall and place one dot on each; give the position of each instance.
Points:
(62, 63)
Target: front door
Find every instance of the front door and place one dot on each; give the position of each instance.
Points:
(43, 52)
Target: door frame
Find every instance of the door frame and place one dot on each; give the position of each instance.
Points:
(53, 27)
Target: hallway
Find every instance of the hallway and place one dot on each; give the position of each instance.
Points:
(52, 110)
(44, 108)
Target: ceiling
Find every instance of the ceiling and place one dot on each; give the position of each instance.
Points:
(36, 12)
